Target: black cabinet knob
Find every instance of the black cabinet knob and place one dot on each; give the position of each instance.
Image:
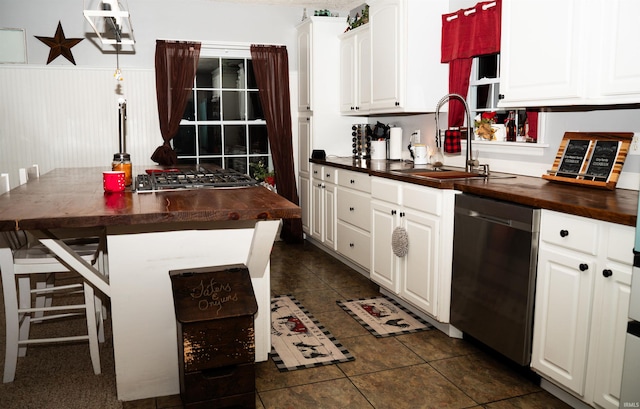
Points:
(583, 267)
(564, 233)
(352, 181)
(351, 245)
(351, 209)
(607, 273)
(393, 212)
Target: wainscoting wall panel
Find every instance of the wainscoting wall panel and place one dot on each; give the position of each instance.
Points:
(68, 117)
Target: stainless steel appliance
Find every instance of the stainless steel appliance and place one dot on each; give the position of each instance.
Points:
(495, 253)
(172, 179)
(630, 386)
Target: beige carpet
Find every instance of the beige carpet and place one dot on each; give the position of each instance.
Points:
(59, 376)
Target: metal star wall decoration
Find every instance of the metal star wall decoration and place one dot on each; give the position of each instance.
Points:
(60, 45)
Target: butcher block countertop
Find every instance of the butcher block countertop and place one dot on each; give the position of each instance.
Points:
(616, 206)
(74, 197)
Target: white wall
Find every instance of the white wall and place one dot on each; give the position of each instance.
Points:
(64, 115)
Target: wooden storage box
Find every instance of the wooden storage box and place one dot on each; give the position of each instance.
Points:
(215, 310)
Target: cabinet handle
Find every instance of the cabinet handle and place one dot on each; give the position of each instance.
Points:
(393, 212)
(351, 245)
(564, 233)
(401, 214)
(357, 108)
(397, 104)
(607, 273)
(583, 267)
(500, 96)
(352, 181)
(351, 209)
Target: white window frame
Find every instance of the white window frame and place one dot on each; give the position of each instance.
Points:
(226, 51)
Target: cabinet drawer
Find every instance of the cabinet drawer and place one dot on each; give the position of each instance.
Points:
(326, 173)
(421, 198)
(384, 189)
(354, 208)
(565, 230)
(355, 180)
(620, 244)
(354, 244)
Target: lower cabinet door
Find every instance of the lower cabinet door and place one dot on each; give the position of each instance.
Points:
(562, 317)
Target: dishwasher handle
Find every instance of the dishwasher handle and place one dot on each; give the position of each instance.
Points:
(491, 219)
(509, 222)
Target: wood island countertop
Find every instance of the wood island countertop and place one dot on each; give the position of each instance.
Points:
(74, 197)
(616, 206)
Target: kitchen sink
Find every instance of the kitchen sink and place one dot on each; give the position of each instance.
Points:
(443, 174)
(438, 174)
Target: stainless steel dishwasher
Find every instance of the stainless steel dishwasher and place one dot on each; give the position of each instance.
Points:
(495, 253)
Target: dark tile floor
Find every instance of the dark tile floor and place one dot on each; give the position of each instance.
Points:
(421, 370)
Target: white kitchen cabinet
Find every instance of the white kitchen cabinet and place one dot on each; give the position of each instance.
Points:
(406, 72)
(304, 176)
(581, 57)
(583, 278)
(355, 71)
(354, 217)
(323, 199)
(319, 86)
(422, 277)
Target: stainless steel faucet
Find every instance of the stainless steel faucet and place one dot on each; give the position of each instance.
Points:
(470, 163)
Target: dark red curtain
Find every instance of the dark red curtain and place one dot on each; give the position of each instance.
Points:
(271, 68)
(176, 64)
(468, 33)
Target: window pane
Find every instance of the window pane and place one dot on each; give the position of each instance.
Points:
(253, 107)
(256, 160)
(214, 161)
(233, 105)
(488, 66)
(239, 164)
(187, 161)
(210, 138)
(251, 79)
(482, 96)
(233, 74)
(235, 140)
(208, 68)
(189, 112)
(208, 105)
(258, 140)
(185, 141)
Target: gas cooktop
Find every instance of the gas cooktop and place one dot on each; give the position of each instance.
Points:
(202, 178)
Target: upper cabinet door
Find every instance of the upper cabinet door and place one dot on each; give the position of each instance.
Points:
(583, 56)
(304, 67)
(387, 57)
(620, 62)
(542, 65)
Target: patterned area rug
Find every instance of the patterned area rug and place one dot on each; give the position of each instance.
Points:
(298, 340)
(383, 316)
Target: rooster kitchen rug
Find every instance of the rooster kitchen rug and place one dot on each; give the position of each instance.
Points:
(298, 340)
(383, 317)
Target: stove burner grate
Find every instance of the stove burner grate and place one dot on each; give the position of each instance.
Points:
(192, 179)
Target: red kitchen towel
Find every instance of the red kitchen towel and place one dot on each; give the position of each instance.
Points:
(452, 141)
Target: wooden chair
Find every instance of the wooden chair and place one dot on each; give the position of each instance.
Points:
(21, 262)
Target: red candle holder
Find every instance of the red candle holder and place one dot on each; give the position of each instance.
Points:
(113, 181)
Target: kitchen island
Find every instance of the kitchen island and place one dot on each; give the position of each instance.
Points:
(148, 235)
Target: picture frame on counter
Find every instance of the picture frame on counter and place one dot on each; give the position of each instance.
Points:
(592, 159)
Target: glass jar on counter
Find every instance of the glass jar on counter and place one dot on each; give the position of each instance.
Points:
(122, 162)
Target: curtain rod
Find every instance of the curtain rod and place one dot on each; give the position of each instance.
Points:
(471, 10)
(224, 45)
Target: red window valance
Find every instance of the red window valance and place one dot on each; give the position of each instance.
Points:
(469, 33)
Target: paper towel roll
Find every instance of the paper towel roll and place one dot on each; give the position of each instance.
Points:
(395, 143)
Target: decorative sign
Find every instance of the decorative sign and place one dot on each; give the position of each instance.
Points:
(591, 159)
(573, 158)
